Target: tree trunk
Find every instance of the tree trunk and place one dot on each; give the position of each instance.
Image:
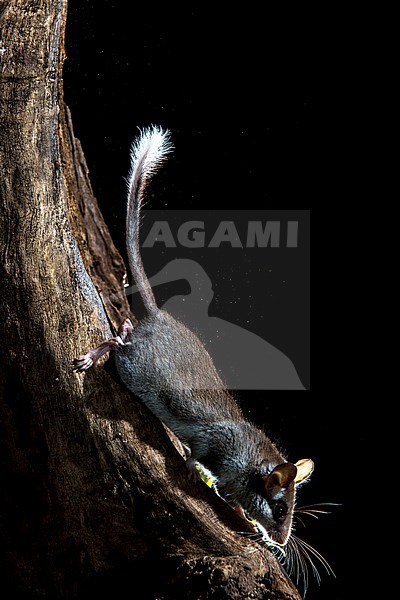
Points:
(93, 490)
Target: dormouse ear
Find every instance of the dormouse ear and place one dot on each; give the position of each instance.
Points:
(281, 477)
(304, 469)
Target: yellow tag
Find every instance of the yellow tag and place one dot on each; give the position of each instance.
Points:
(207, 480)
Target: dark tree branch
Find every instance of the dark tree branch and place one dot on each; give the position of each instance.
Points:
(93, 490)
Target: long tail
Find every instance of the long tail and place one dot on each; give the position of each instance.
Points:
(148, 152)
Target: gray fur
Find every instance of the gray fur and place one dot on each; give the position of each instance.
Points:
(167, 366)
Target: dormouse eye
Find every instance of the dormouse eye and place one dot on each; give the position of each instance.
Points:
(279, 511)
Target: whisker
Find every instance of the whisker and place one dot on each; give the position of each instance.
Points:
(287, 563)
(310, 506)
(303, 565)
(298, 557)
(300, 570)
(311, 562)
(312, 510)
(300, 520)
(309, 513)
(321, 504)
(250, 535)
(317, 555)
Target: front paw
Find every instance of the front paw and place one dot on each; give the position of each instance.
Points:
(194, 474)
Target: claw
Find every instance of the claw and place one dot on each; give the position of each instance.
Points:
(193, 473)
(83, 363)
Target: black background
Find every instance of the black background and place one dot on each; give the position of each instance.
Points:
(263, 290)
(248, 98)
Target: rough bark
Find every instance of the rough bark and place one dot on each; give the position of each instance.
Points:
(93, 490)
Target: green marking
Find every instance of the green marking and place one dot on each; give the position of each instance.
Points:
(209, 481)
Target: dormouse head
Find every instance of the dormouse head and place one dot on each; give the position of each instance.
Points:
(276, 496)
